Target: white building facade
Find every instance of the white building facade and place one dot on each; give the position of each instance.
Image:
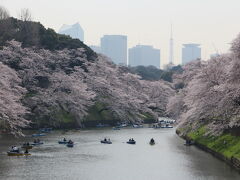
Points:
(190, 52)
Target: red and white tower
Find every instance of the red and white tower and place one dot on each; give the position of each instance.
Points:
(171, 56)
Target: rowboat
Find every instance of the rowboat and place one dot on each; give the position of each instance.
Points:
(62, 142)
(70, 144)
(45, 130)
(38, 135)
(106, 142)
(152, 143)
(37, 143)
(131, 142)
(10, 153)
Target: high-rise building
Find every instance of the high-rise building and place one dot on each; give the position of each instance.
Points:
(171, 55)
(214, 55)
(115, 47)
(190, 52)
(144, 55)
(97, 49)
(74, 31)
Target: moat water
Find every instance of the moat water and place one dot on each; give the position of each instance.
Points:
(168, 159)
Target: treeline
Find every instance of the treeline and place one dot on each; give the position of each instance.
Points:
(31, 34)
(152, 73)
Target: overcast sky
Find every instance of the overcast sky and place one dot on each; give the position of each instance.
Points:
(207, 22)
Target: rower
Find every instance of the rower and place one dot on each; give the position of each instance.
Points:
(15, 149)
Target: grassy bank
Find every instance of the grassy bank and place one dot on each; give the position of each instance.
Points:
(224, 146)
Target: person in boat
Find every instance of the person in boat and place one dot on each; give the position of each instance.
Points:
(64, 139)
(152, 140)
(15, 149)
(105, 139)
(109, 139)
(188, 142)
(132, 139)
(35, 141)
(27, 144)
(70, 142)
(26, 151)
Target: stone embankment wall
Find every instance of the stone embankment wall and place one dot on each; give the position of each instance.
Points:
(233, 161)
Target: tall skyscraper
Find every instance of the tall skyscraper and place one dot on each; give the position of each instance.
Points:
(74, 31)
(190, 52)
(115, 47)
(144, 55)
(171, 55)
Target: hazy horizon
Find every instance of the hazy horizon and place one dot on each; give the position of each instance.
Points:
(209, 23)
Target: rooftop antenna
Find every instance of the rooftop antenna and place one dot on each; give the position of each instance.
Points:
(171, 58)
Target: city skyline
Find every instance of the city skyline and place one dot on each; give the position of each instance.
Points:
(193, 22)
(138, 54)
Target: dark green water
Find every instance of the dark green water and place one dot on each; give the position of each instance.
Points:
(169, 159)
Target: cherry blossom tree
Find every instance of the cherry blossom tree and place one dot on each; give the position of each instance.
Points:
(211, 93)
(67, 82)
(11, 109)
